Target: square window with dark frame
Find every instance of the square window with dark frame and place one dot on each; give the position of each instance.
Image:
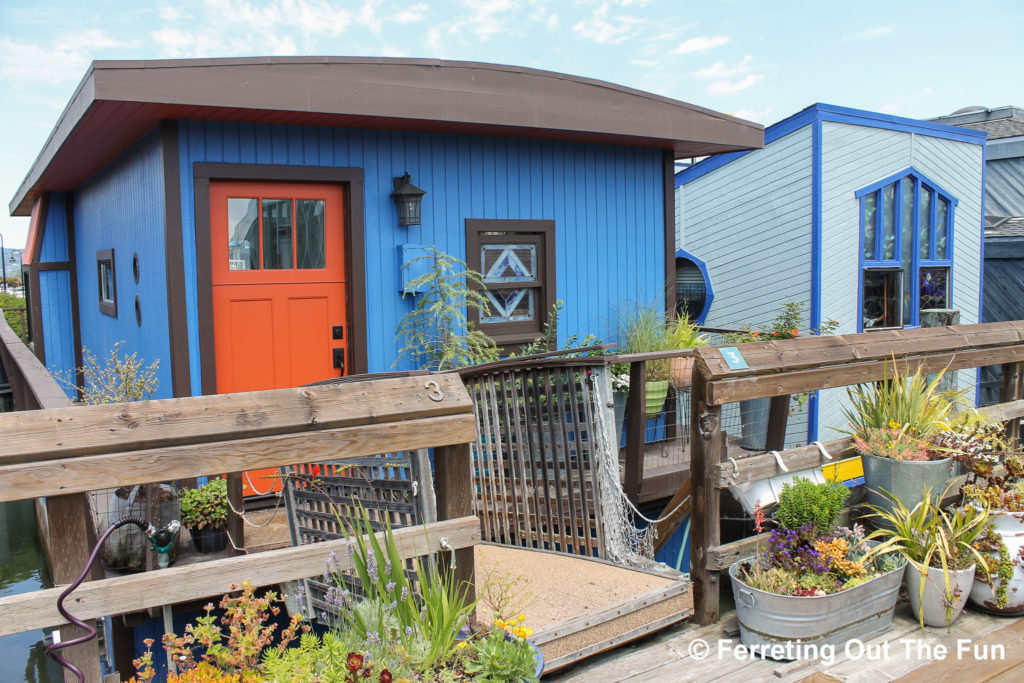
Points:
(517, 261)
(107, 281)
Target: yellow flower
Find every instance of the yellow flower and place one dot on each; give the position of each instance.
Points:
(462, 644)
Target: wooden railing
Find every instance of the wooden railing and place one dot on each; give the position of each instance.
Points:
(21, 313)
(63, 451)
(780, 368)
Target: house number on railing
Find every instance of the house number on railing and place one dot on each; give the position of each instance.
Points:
(435, 390)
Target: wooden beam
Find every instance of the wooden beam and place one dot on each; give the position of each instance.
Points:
(758, 467)
(827, 376)
(92, 430)
(679, 507)
(1009, 390)
(1004, 411)
(778, 417)
(815, 351)
(721, 557)
(31, 611)
(636, 424)
(453, 489)
(707, 443)
(86, 473)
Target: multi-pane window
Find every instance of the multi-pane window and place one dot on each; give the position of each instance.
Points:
(516, 259)
(906, 229)
(275, 234)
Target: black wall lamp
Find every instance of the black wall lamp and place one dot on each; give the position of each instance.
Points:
(407, 198)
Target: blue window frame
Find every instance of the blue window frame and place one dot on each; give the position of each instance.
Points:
(906, 250)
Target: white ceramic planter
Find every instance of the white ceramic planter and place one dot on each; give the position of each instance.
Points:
(1009, 525)
(961, 581)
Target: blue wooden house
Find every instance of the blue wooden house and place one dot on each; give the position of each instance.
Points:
(235, 218)
(866, 218)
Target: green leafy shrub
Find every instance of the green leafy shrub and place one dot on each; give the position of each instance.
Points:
(803, 502)
(205, 507)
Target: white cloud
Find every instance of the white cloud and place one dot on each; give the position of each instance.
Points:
(720, 70)
(367, 16)
(753, 115)
(604, 28)
(552, 22)
(65, 59)
(873, 33)
(700, 43)
(412, 14)
(891, 109)
(168, 13)
(489, 18)
(733, 87)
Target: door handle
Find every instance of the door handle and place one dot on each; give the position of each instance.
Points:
(339, 359)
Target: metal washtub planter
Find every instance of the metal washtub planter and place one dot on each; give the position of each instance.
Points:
(904, 479)
(768, 619)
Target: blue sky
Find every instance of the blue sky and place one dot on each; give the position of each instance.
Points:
(759, 60)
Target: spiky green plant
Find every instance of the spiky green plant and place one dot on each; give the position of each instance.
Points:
(898, 401)
(929, 536)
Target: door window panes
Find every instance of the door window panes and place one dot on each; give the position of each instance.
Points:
(510, 305)
(277, 234)
(309, 233)
(243, 234)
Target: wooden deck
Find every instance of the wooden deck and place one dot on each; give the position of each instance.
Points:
(990, 649)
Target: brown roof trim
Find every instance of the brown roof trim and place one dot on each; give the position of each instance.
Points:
(118, 100)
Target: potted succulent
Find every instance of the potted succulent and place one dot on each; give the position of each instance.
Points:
(896, 426)
(995, 482)
(785, 325)
(815, 583)
(939, 545)
(204, 511)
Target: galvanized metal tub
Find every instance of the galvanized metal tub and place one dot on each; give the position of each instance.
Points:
(767, 619)
(905, 479)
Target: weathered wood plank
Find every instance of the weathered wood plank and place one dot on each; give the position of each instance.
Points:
(679, 508)
(787, 381)
(707, 446)
(623, 607)
(721, 557)
(86, 473)
(758, 467)
(636, 423)
(1004, 411)
(88, 430)
(30, 611)
(813, 351)
(453, 485)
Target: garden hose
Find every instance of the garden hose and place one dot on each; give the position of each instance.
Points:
(162, 540)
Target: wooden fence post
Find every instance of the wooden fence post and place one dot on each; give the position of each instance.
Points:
(706, 445)
(1010, 390)
(778, 417)
(636, 422)
(453, 487)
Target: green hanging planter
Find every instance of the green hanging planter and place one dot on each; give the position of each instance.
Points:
(656, 393)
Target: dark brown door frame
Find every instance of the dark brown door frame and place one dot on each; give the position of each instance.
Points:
(351, 181)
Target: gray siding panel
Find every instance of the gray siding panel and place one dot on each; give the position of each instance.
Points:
(856, 156)
(750, 221)
(1004, 187)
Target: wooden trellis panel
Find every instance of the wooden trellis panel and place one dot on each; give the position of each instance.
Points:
(535, 459)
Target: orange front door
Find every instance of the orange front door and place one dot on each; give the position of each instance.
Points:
(278, 275)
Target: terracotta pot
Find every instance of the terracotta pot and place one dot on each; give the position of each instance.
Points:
(682, 372)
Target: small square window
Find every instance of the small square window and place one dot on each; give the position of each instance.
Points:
(107, 281)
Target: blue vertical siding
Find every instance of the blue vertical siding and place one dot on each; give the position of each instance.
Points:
(54, 245)
(58, 335)
(55, 291)
(122, 208)
(606, 202)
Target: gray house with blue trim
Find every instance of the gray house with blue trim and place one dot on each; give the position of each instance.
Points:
(866, 218)
(235, 218)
